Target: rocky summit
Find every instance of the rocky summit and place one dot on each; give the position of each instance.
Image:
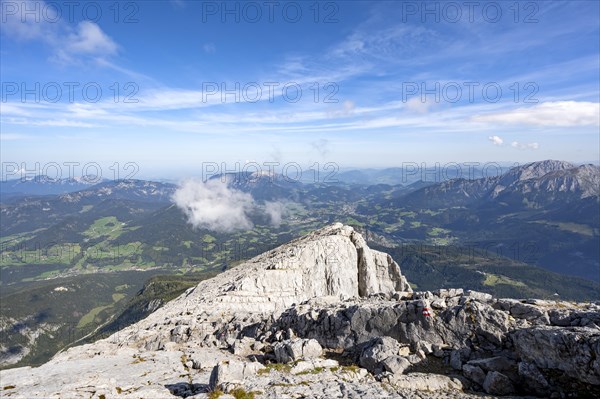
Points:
(325, 316)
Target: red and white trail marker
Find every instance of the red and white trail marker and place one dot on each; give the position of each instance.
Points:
(426, 312)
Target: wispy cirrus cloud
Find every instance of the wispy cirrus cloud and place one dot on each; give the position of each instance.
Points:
(557, 113)
(13, 137)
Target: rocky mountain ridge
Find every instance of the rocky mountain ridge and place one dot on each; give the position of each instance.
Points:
(541, 182)
(325, 316)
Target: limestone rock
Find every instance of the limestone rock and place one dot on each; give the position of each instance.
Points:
(497, 384)
(474, 373)
(313, 366)
(376, 352)
(574, 350)
(232, 373)
(497, 363)
(426, 382)
(395, 364)
(532, 377)
(296, 349)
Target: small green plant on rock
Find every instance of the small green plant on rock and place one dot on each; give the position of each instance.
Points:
(351, 369)
(284, 368)
(216, 394)
(241, 393)
(316, 370)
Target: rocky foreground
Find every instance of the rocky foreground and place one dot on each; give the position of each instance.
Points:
(325, 316)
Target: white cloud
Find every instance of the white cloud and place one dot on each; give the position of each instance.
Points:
(496, 140)
(65, 40)
(213, 205)
(558, 113)
(275, 211)
(89, 40)
(524, 146)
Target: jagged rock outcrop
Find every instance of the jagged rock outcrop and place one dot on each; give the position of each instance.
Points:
(297, 321)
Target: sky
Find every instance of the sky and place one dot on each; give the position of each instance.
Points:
(163, 88)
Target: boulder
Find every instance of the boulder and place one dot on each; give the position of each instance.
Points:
(231, 373)
(376, 351)
(458, 357)
(480, 296)
(395, 364)
(297, 349)
(474, 373)
(497, 384)
(529, 312)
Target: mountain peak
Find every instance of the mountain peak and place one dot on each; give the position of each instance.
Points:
(334, 261)
(537, 169)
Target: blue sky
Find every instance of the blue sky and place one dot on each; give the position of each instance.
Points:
(396, 82)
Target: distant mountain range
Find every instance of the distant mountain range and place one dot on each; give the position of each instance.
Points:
(552, 204)
(540, 183)
(45, 185)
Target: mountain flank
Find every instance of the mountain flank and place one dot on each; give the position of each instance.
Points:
(325, 316)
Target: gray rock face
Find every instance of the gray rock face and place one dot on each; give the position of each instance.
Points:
(480, 336)
(574, 350)
(474, 373)
(377, 351)
(356, 322)
(497, 363)
(395, 364)
(321, 296)
(296, 349)
(497, 384)
(377, 271)
(532, 376)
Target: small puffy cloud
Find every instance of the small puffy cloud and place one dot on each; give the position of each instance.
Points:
(557, 113)
(496, 140)
(524, 146)
(214, 206)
